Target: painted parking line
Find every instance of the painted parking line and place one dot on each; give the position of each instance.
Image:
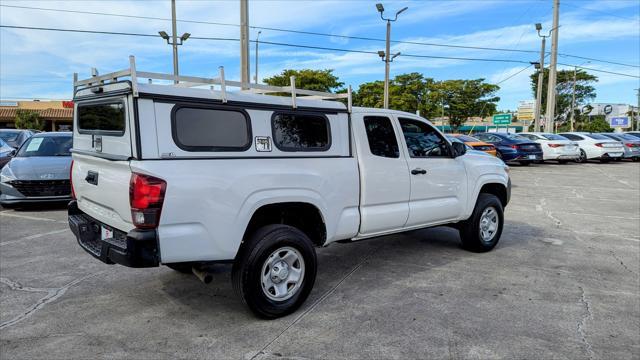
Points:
(28, 217)
(35, 236)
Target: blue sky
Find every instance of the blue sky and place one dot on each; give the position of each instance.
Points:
(39, 64)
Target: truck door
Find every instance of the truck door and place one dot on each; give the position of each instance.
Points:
(438, 180)
(384, 175)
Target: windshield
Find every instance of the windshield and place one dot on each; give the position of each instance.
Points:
(46, 146)
(598, 137)
(553, 137)
(9, 135)
(627, 137)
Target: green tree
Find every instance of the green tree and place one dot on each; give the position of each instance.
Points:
(596, 124)
(28, 119)
(585, 91)
(465, 98)
(318, 80)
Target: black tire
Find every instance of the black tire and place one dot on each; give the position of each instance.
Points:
(636, 159)
(525, 163)
(605, 160)
(470, 228)
(583, 157)
(618, 159)
(247, 269)
(184, 268)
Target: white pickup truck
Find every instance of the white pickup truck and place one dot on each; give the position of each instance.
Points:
(187, 176)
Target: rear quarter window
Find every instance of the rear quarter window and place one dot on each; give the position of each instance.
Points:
(210, 129)
(294, 131)
(106, 118)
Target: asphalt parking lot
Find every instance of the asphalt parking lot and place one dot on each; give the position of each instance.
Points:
(564, 282)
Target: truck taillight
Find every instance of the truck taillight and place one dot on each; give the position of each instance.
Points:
(146, 195)
(73, 192)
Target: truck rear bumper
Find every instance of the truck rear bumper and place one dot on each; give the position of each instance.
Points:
(137, 248)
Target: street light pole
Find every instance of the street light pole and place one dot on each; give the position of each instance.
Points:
(244, 44)
(387, 58)
(173, 40)
(540, 79)
(257, 42)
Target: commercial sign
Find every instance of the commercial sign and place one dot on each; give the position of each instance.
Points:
(526, 110)
(502, 119)
(619, 121)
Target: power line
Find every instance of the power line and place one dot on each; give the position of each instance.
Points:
(305, 47)
(307, 32)
(262, 42)
(598, 11)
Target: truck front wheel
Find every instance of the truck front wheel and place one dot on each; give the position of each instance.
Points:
(275, 270)
(481, 232)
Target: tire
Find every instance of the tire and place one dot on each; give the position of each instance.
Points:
(525, 163)
(184, 268)
(636, 159)
(471, 232)
(562, 162)
(604, 161)
(583, 157)
(264, 253)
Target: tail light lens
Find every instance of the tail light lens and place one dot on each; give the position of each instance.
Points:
(514, 147)
(555, 145)
(146, 195)
(73, 192)
(598, 144)
(632, 145)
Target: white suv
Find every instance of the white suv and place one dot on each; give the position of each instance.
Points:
(186, 177)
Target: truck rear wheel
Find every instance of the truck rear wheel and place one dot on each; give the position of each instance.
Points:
(275, 271)
(481, 232)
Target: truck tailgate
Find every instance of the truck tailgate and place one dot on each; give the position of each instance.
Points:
(102, 189)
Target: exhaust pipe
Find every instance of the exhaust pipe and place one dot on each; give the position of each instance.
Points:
(204, 276)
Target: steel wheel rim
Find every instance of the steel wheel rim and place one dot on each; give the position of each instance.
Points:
(583, 156)
(489, 222)
(282, 274)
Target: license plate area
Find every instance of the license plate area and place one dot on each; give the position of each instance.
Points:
(532, 157)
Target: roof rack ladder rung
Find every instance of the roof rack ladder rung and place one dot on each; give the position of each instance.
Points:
(292, 79)
(134, 76)
(223, 86)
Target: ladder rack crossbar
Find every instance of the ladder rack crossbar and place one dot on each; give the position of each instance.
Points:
(194, 81)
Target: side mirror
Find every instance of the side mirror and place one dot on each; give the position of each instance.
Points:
(459, 149)
(13, 153)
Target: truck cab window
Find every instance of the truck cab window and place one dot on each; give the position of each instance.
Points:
(381, 137)
(423, 140)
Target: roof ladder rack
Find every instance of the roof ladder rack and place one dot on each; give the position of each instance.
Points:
(97, 81)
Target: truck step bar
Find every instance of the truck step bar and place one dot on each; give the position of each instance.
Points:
(192, 81)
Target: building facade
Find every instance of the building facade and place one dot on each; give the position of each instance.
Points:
(57, 115)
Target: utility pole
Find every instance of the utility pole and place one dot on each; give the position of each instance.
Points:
(573, 95)
(173, 39)
(573, 98)
(637, 119)
(257, 42)
(386, 56)
(551, 87)
(536, 125)
(244, 43)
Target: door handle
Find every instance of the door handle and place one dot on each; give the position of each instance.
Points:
(92, 177)
(417, 171)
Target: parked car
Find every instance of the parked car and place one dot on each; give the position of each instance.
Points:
(630, 142)
(454, 139)
(633, 133)
(6, 152)
(476, 144)
(39, 172)
(195, 177)
(15, 137)
(512, 147)
(595, 146)
(554, 146)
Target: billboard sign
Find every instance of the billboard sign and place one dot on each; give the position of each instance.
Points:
(526, 110)
(619, 121)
